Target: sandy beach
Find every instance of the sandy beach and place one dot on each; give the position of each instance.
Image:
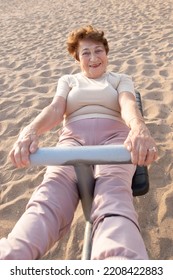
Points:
(32, 58)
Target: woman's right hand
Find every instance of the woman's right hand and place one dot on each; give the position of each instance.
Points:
(26, 143)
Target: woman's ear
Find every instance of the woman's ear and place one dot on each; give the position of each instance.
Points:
(77, 61)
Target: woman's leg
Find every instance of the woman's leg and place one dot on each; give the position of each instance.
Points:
(115, 231)
(117, 237)
(48, 215)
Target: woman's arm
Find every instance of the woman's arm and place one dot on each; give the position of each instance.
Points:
(28, 139)
(139, 141)
(49, 117)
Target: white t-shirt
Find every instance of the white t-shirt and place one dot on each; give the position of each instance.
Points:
(93, 98)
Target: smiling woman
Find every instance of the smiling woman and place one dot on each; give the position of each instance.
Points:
(85, 33)
(90, 48)
(92, 58)
(97, 107)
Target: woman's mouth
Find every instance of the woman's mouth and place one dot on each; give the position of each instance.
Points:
(95, 65)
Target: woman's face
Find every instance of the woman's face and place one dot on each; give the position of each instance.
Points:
(92, 58)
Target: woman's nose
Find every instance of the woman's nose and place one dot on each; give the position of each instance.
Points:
(93, 56)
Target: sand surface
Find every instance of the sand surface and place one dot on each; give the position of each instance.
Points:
(33, 56)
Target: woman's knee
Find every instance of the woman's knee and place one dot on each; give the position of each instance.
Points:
(116, 237)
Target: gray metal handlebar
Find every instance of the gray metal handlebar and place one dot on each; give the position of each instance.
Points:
(87, 155)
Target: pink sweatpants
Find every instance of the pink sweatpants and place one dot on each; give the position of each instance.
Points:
(50, 211)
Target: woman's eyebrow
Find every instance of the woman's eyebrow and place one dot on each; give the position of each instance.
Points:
(98, 46)
(85, 49)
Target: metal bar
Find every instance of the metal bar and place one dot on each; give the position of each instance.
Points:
(89, 155)
(86, 183)
(86, 252)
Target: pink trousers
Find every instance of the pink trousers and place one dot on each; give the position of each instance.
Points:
(50, 211)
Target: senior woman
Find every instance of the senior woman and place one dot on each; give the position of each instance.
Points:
(97, 107)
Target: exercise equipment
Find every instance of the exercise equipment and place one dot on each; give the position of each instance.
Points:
(83, 158)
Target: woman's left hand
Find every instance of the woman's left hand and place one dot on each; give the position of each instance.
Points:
(141, 146)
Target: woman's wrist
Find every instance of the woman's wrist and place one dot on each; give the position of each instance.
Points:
(28, 131)
(135, 121)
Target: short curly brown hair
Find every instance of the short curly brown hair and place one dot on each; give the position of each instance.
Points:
(82, 33)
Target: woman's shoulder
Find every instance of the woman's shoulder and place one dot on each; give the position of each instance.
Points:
(115, 78)
(70, 79)
(121, 82)
(116, 75)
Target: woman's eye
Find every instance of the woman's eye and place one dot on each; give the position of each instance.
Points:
(85, 53)
(98, 51)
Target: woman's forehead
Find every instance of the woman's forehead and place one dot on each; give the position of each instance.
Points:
(87, 44)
